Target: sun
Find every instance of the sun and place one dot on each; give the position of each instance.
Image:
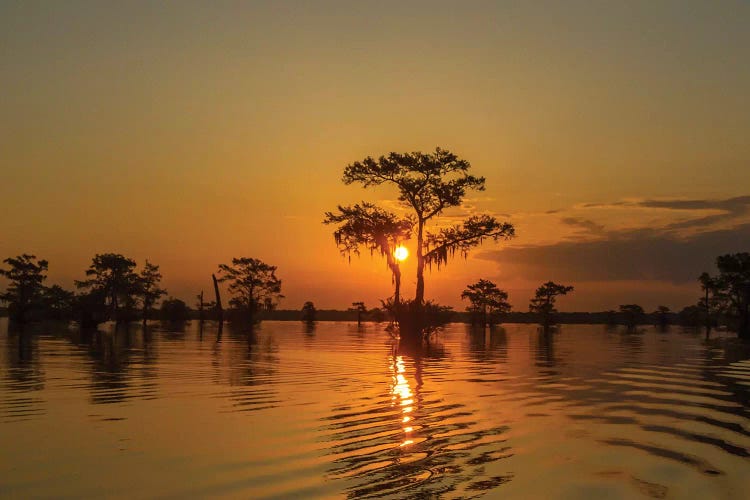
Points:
(401, 253)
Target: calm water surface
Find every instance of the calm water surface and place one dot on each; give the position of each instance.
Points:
(338, 411)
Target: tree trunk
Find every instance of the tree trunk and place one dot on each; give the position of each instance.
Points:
(200, 308)
(397, 282)
(419, 297)
(219, 310)
(708, 316)
(114, 306)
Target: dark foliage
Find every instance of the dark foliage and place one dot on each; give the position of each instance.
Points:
(113, 280)
(543, 302)
(488, 302)
(309, 313)
(25, 292)
(253, 285)
(428, 184)
(174, 310)
(374, 229)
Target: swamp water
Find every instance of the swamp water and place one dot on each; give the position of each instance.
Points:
(340, 411)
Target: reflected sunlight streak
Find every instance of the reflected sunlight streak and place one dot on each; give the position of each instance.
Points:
(402, 392)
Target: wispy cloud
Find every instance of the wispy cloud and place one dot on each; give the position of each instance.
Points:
(666, 240)
(585, 225)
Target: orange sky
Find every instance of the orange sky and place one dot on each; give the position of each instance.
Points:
(191, 133)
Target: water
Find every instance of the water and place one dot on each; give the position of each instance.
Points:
(345, 412)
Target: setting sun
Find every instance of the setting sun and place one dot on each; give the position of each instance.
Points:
(226, 221)
(401, 253)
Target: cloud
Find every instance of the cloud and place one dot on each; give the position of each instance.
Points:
(645, 253)
(585, 225)
(737, 204)
(726, 208)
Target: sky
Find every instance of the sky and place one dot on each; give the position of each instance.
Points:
(614, 135)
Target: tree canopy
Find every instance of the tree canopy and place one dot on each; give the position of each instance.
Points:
(429, 183)
(175, 310)
(374, 229)
(543, 302)
(360, 309)
(309, 313)
(633, 314)
(112, 276)
(731, 288)
(25, 291)
(487, 300)
(252, 282)
(148, 287)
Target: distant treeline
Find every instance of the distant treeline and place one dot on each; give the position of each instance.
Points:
(605, 317)
(115, 290)
(582, 318)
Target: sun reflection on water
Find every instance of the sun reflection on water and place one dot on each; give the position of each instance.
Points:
(403, 397)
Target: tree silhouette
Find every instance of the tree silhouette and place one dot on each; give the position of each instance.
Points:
(309, 312)
(487, 301)
(148, 287)
(662, 316)
(58, 302)
(203, 306)
(113, 279)
(734, 281)
(428, 184)
(713, 301)
(251, 282)
(543, 302)
(174, 310)
(360, 308)
(632, 314)
(25, 291)
(374, 229)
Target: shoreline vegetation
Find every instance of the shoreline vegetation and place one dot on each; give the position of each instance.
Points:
(376, 316)
(116, 289)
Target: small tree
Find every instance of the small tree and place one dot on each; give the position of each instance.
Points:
(202, 306)
(488, 302)
(632, 315)
(148, 287)
(252, 283)
(309, 312)
(112, 279)
(544, 300)
(25, 292)
(360, 308)
(174, 310)
(374, 229)
(662, 316)
(428, 184)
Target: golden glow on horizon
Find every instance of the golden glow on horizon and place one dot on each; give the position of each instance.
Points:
(401, 253)
(264, 170)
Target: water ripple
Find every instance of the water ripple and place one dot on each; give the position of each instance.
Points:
(283, 411)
